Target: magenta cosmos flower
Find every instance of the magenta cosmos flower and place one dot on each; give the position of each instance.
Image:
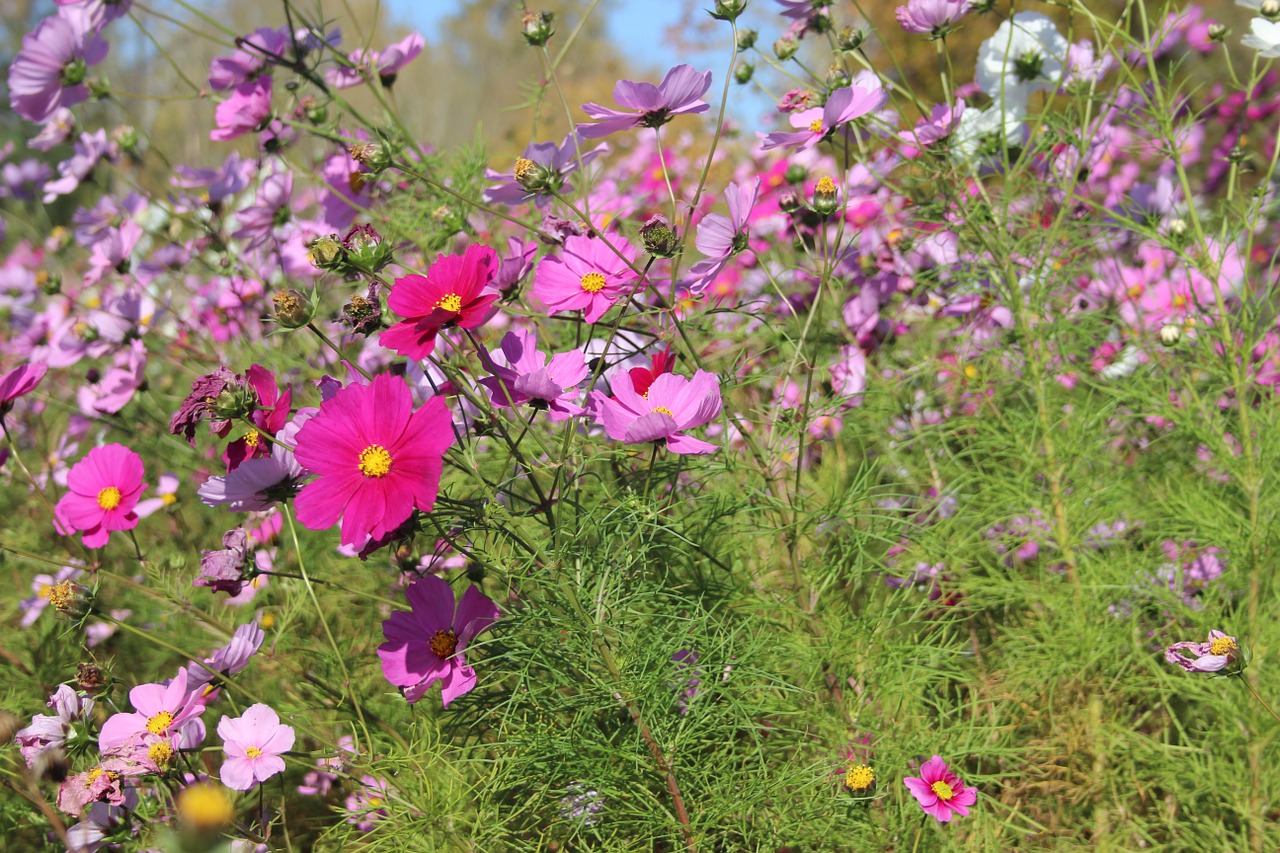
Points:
(672, 405)
(940, 792)
(429, 643)
(454, 292)
(245, 110)
(49, 71)
(935, 17)
(587, 275)
(528, 378)
(647, 105)
(161, 710)
(377, 459)
(19, 382)
(104, 489)
(254, 742)
(865, 95)
(1212, 656)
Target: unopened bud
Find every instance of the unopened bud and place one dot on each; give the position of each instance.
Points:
(743, 73)
(658, 237)
(1178, 229)
(1170, 334)
(826, 198)
(785, 48)
(747, 39)
(374, 156)
(534, 177)
(365, 248)
(789, 202)
(1217, 32)
(126, 137)
(1270, 9)
(537, 28)
(728, 10)
(795, 174)
(89, 677)
(851, 38)
(837, 77)
(293, 308)
(326, 252)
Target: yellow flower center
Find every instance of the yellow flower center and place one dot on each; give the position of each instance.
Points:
(444, 643)
(93, 776)
(943, 790)
(160, 753)
(663, 410)
(593, 282)
(252, 437)
(160, 723)
(450, 302)
(205, 806)
(60, 595)
(268, 620)
(1222, 646)
(375, 802)
(523, 167)
(375, 461)
(859, 778)
(825, 186)
(815, 126)
(46, 591)
(169, 499)
(109, 498)
(252, 752)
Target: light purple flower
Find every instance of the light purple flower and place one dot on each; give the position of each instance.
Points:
(114, 387)
(935, 17)
(49, 731)
(45, 587)
(1084, 67)
(89, 149)
(166, 494)
(866, 94)
(557, 161)
(254, 742)
(49, 71)
(23, 181)
(246, 110)
(222, 181)
(528, 378)
(647, 105)
(56, 130)
(672, 405)
(429, 643)
(106, 10)
(386, 63)
(1211, 656)
(257, 484)
(261, 221)
(942, 121)
(228, 660)
(720, 237)
(256, 51)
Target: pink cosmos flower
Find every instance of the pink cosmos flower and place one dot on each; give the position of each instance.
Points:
(49, 71)
(1212, 656)
(865, 95)
(940, 792)
(935, 17)
(246, 110)
(647, 105)
(454, 292)
(104, 488)
(162, 710)
(377, 459)
(110, 10)
(528, 378)
(721, 237)
(587, 275)
(942, 121)
(387, 63)
(672, 405)
(254, 742)
(49, 731)
(19, 382)
(429, 643)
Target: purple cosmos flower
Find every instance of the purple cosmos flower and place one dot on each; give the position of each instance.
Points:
(100, 784)
(270, 211)
(23, 181)
(89, 149)
(19, 382)
(50, 731)
(246, 110)
(672, 405)
(721, 237)
(49, 71)
(106, 10)
(256, 51)
(429, 643)
(587, 276)
(159, 709)
(864, 95)
(801, 10)
(111, 390)
(515, 267)
(387, 63)
(935, 17)
(56, 130)
(549, 164)
(528, 378)
(48, 588)
(229, 659)
(647, 105)
(1084, 67)
(221, 182)
(943, 119)
(1212, 656)
(223, 570)
(254, 742)
(257, 484)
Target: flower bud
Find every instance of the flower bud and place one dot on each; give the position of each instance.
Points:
(71, 599)
(1217, 32)
(374, 156)
(785, 48)
(126, 137)
(826, 198)
(537, 28)
(294, 309)
(743, 73)
(532, 176)
(728, 10)
(365, 248)
(747, 39)
(90, 677)
(795, 174)
(851, 38)
(1270, 9)
(789, 202)
(1178, 229)
(658, 237)
(837, 77)
(326, 253)
(49, 282)
(1170, 334)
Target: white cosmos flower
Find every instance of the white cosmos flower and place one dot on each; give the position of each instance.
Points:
(1265, 37)
(1026, 54)
(979, 132)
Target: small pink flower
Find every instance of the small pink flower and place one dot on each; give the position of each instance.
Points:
(429, 643)
(1212, 656)
(254, 742)
(588, 276)
(940, 792)
(865, 95)
(528, 378)
(246, 110)
(671, 405)
(162, 710)
(104, 488)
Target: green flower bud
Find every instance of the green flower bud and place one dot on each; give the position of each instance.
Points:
(728, 10)
(326, 253)
(537, 28)
(743, 73)
(826, 198)
(785, 48)
(658, 237)
(294, 309)
(747, 39)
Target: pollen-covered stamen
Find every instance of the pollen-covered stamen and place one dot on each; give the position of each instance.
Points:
(825, 186)
(450, 302)
(375, 461)
(252, 437)
(252, 752)
(444, 643)
(60, 595)
(859, 778)
(1222, 646)
(109, 498)
(663, 410)
(160, 753)
(522, 168)
(593, 282)
(942, 790)
(815, 126)
(159, 724)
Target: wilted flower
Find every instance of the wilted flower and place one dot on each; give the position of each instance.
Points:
(1212, 656)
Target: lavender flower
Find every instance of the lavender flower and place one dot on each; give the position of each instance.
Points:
(647, 105)
(49, 71)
